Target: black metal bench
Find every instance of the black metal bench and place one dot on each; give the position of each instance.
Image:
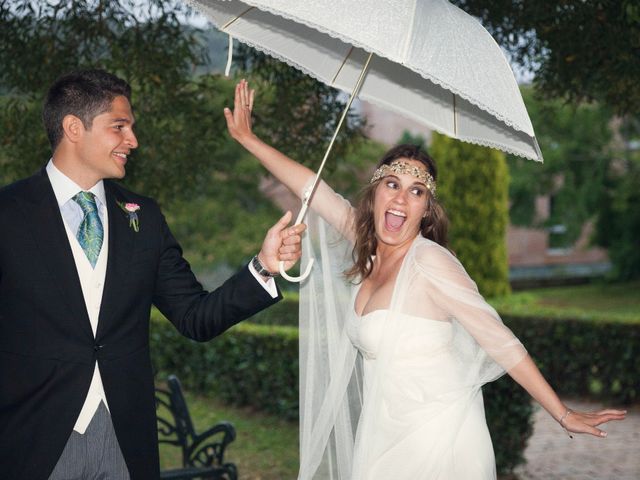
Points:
(202, 454)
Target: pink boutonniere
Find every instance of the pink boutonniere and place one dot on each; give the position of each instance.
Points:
(131, 210)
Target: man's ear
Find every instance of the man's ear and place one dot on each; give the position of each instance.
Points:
(72, 128)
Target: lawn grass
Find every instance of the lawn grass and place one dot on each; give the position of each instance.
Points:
(605, 301)
(265, 448)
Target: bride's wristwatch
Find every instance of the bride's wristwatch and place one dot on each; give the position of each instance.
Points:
(255, 262)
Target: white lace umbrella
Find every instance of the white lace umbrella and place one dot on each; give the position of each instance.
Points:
(427, 60)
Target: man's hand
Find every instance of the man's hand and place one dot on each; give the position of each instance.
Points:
(282, 243)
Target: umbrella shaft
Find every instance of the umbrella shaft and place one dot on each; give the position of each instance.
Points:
(353, 95)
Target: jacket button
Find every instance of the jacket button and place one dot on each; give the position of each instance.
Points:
(97, 347)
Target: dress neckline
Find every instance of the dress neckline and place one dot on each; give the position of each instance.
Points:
(364, 315)
(395, 281)
(448, 324)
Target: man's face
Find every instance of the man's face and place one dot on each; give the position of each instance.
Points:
(104, 148)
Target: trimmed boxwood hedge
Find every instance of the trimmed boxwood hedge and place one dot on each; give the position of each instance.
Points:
(594, 359)
(509, 413)
(257, 365)
(583, 356)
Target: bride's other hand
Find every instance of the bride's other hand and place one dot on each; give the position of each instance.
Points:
(586, 422)
(239, 121)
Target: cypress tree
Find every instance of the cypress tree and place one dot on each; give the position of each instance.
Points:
(473, 186)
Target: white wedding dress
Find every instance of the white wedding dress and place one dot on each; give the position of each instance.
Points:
(396, 393)
(412, 423)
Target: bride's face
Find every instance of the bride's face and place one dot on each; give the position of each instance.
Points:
(400, 203)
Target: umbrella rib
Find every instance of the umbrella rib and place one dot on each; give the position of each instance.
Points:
(344, 61)
(455, 117)
(236, 18)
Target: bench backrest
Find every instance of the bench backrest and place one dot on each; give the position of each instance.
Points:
(204, 449)
(178, 428)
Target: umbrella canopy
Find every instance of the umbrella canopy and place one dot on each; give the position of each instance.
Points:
(432, 62)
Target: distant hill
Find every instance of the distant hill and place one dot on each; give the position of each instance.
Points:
(216, 44)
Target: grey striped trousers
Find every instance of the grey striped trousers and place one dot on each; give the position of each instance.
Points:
(94, 455)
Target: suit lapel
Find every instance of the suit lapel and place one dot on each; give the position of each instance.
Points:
(121, 245)
(49, 232)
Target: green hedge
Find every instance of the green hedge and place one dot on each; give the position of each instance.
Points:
(257, 366)
(509, 413)
(254, 365)
(285, 312)
(584, 358)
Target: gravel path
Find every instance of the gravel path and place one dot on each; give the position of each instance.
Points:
(552, 455)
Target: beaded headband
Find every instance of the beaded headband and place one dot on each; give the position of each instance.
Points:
(399, 167)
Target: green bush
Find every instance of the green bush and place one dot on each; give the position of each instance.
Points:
(254, 365)
(584, 358)
(473, 185)
(284, 312)
(509, 413)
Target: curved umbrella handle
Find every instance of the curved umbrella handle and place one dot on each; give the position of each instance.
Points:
(299, 279)
(285, 275)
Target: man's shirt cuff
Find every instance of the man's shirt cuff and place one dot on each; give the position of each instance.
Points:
(269, 285)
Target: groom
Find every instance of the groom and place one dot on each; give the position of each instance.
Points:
(81, 262)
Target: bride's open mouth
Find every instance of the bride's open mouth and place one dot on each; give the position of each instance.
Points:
(394, 219)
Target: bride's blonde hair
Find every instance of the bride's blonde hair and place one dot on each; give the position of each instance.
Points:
(434, 226)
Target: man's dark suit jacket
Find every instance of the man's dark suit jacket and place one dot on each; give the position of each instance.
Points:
(47, 348)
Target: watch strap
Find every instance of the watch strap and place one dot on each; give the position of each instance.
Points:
(255, 262)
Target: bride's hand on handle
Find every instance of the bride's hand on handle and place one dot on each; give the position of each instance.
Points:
(239, 120)
(586, 422)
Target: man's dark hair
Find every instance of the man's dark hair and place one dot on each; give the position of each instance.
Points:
(85, 94)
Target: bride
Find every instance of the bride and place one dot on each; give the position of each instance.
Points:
(395, 340)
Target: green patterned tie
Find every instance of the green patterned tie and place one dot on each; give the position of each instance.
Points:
(90, 233)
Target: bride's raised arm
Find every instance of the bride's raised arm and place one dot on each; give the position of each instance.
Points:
(296, 177)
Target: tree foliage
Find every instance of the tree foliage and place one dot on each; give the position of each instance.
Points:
(618, 221)
(473, 187)
(591, 171)
(179, 124)
(297, 113)
(576, 142)
(208, 186)
(226, 223)
(578, 50)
